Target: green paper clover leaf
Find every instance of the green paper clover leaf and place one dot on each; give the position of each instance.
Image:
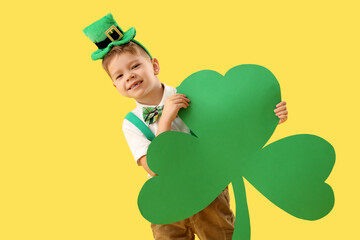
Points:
(233, 117)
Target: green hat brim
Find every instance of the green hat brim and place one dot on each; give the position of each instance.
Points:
(128, 36)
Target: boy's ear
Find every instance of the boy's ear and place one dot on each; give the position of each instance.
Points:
(156, 66)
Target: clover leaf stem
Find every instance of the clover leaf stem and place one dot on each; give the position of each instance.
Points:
(242, 219)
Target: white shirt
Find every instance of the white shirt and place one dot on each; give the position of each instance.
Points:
(136, 140)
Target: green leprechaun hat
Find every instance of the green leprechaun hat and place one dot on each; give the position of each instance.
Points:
(106, 33)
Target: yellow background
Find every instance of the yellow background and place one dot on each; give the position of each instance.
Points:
(66, 171)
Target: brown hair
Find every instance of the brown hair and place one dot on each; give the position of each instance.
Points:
(129, 47)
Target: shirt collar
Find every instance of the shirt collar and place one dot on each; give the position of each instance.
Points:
(167, 93)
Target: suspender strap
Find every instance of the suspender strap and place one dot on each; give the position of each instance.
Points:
(140, 125)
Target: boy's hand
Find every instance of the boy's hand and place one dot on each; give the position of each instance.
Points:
(281, 111)
(172, 106)
(143, 162)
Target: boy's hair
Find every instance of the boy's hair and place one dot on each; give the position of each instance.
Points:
(129, 47)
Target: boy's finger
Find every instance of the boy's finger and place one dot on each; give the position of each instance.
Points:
(179, 96)
(283, 118)
(180, 100)
(182, 105)
(280, 104)
(280, 109)
(282, 113)
(184, 97)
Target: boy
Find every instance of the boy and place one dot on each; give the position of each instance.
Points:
(134, 75)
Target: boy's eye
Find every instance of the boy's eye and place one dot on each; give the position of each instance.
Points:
(136, 65)
(119, 76)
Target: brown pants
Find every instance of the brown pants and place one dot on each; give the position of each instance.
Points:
(215, 222)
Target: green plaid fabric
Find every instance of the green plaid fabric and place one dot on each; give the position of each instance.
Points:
(151, 114)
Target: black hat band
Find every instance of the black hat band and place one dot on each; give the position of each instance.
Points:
(113, 34)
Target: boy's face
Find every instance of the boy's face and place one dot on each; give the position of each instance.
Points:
(134, 76)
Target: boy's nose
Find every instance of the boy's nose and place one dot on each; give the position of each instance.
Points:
(131, 76)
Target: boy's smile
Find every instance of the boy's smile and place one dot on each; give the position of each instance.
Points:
(135, 85)
(134, 76)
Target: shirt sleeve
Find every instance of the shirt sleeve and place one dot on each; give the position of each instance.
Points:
(136, 140)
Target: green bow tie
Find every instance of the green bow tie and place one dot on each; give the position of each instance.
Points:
(151, 114)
